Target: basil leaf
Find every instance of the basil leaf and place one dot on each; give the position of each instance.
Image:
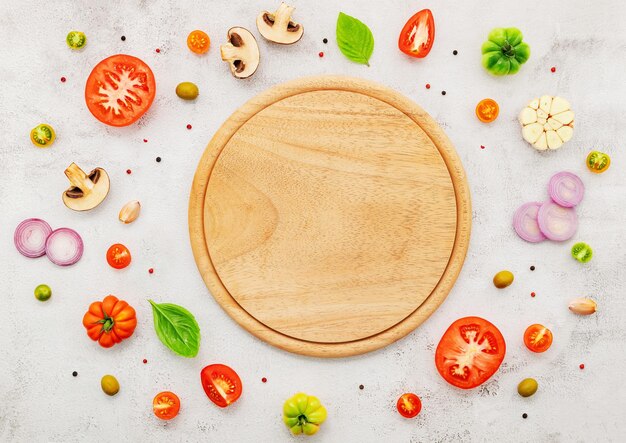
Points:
(354, 38)
(177, 328)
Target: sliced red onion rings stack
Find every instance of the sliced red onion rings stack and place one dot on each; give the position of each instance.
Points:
(34, 237)
(556, 219)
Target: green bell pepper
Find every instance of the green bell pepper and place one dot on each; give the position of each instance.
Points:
(303, 414)
(504, 52)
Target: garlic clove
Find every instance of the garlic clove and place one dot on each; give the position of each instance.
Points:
(583, 306)
(130, 211)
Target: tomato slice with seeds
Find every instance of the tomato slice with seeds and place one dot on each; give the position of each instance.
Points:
(198, 41)
(221, 384)
(470, 352)
(538, 338)
(409, 405)
(76, 39)
(119, 90)
(118, 256)
(166, 405)
(42, 135)
(418, 34)
(487, 110)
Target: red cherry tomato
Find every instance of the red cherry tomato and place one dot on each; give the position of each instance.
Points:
(118, 256)
(119, 90)
(166, 405)
(418, 34)
(470, 352)
(409, 405)
(221, 384)
(538, 338)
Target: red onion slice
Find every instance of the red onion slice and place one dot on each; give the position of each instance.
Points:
(525, 222)
(556, 222)
(30, 237)
(64, 247)
(566, 189)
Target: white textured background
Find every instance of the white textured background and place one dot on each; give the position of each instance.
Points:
(42, 343)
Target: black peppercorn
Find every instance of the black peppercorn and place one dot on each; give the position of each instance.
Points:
(123, 38)
(443, 92)
(74, 373)
(361, 387)
(158, 159)
(455, 52)
(524, 415)
(325, 40)
(532, 268)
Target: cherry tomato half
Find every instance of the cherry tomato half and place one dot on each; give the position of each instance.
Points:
(119, 90)
(198, 41)
(42, 135)
(221, 384)
(487, 110)
(418, 34)
(598, 162)
(166, 405)
(538, 338)
(76, 39)
(470, 352)
(118, 256)
(409, 405)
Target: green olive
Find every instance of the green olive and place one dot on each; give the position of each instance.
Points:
(187, 91)
(110, 385)
(527, 387)
(503, 279)
(43, 292)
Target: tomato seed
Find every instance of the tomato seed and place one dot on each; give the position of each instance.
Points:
(158, 159)
(264, 380)
(325, 40)
(123, 38)
(532, 294)
(321, 54)
(553, 69)
(150, 271)
(524, 415)
(74, 373)
(361, 387)
(128, 171)
(582, 366)
(188, 126)
(63, 79)
(145, 361)
(532, 268)
(427, 85)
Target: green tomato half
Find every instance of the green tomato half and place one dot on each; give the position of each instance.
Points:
(76, 39)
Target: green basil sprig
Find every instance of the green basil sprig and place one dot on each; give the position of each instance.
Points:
(354, 38)
(177, 328)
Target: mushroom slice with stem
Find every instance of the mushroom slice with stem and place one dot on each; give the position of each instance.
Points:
(278, 27)
(241, 52)
(87, 190)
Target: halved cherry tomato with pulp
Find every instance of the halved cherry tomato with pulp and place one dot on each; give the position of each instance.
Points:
(118, 256)
(198, 41)
(487, 110)
(409, 405)
(470, 352)
(42, 135)
(119, 90)
(166, 405)
(418, 34)
(221, 384)
(538, 338)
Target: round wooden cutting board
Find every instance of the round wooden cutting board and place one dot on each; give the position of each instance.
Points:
(329, 216)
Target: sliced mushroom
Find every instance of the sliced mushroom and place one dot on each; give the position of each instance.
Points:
(87, 190)
(278, 27)
(241, 52)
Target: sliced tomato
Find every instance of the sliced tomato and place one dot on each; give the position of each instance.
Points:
(221, 384)
(418, 34)
(470, 352)
(409, 405)
(538, 338)
(119, 90)
(42, 135)
(198, 41)
(118, 256)
(166, 405)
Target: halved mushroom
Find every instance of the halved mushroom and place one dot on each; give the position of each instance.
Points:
(241, 52)
(278, 27)
(87, 190)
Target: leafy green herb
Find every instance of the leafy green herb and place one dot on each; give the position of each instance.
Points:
(177, 328)
(354, 38)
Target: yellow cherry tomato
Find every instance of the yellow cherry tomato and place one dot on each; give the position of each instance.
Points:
(198, 42)
(487, 110)
(598, 162)
(42, 135)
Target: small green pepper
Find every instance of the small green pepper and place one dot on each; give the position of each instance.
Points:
(504, 52)
(303, 414)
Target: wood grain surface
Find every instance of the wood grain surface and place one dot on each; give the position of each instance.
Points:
(329, 216)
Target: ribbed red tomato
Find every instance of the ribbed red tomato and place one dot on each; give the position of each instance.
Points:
(418, 34)
(470, 352)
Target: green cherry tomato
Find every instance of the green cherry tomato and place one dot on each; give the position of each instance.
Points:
(504, 52)
(303, 414)
(43, 292)
(598, 162)
(42, 135)
(76, 39)
(582, 252)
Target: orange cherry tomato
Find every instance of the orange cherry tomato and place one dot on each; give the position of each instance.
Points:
(537, 338)
(166, 405)
(118, 256)
(409, 405)
(110, 321)
(198, 41)
(487, 110)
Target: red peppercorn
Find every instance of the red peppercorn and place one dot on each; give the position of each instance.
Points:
(188, 126)
(145, 361)
(582, 366)
(158, 50)
(321, 54)
(145, 140)
(150, 271)
(128, 171)
(63, 79)
(264, 380)
(427, 85)
(553, 69)
(532, 294)
(482, 147)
